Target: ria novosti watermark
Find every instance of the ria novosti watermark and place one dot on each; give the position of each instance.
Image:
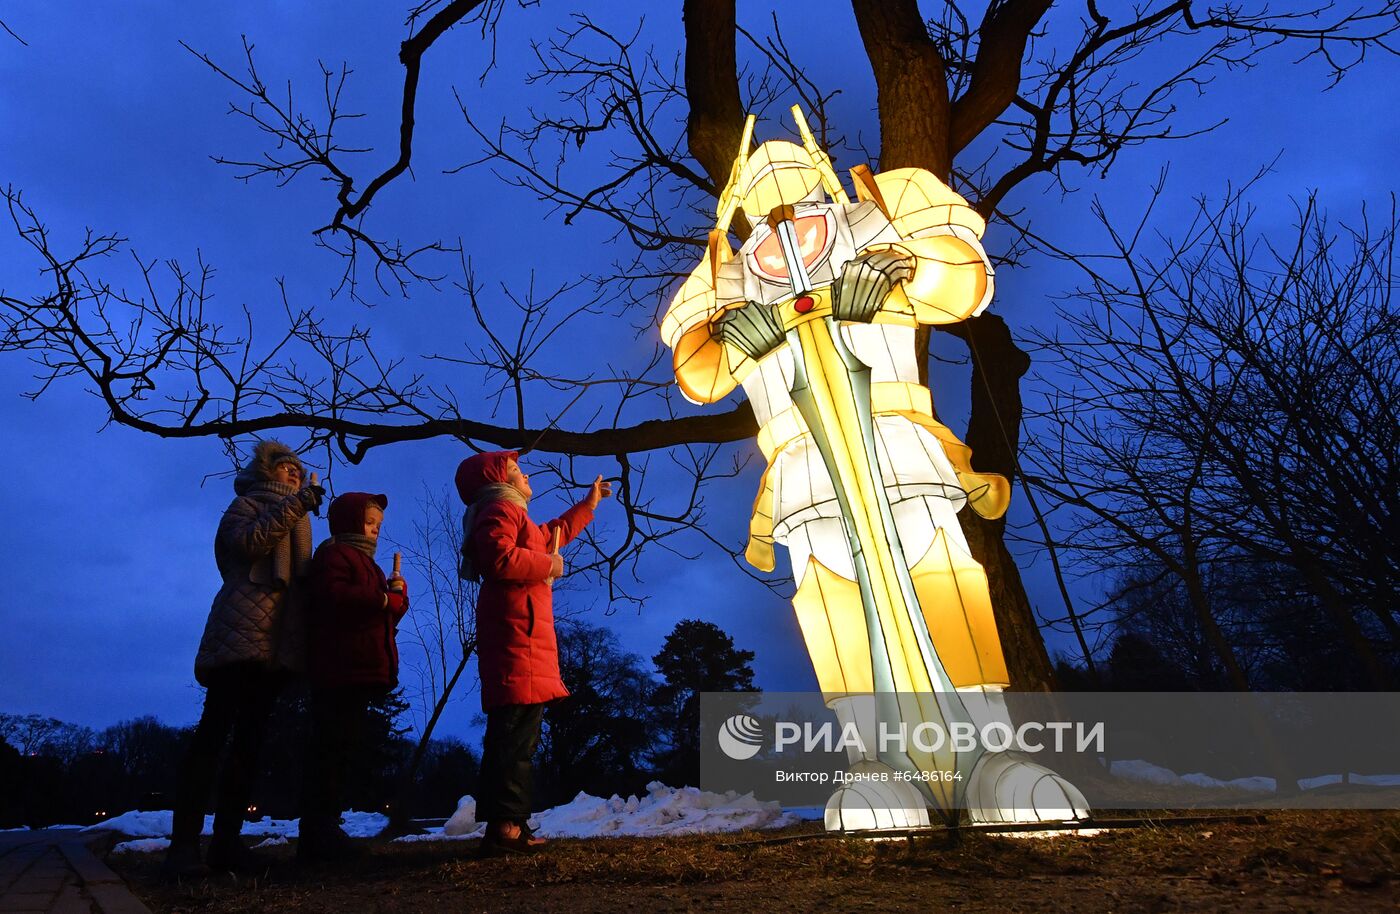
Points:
(959, 736)
(1124, 750)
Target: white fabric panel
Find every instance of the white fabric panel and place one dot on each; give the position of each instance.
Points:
(887, 348)
(768, 387)
(923, 491)
(824, 537)
(802, 489)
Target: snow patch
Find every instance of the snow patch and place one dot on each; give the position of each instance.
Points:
(363, 824)
(663, 811)
(1325, 780)
(463, 821)
(1147, 773)
(1256, 784)
(157, 824)
(137, 824)
(142, 846)
(1142, 772)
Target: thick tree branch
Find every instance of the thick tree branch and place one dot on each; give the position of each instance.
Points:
(996, 71)
(911, 84)
(716, 119)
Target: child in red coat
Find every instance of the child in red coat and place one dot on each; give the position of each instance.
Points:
(516, 560)
(352, 660)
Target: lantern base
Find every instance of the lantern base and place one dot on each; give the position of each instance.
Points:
(875, 799)
(1008, 788)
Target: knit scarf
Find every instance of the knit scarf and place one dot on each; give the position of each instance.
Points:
(496, 491)
(365, 544)
(291, 554)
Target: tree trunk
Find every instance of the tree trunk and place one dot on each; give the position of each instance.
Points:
(716, 120)
(994, 433)
(916, 130)
(911, 86)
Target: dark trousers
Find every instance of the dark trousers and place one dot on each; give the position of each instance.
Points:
(512, 732)
(237, 706)
(338, 719)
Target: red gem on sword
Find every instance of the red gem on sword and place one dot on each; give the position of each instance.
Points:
(804, 304)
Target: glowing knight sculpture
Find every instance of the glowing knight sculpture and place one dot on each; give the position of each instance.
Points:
(815, 315)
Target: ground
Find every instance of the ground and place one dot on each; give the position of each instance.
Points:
(1293, 861)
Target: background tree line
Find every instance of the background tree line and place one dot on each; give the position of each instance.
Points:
(621, 728)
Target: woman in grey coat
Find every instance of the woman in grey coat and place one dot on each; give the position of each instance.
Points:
(254, 641)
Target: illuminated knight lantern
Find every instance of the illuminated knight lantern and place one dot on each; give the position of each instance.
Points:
(815, 315)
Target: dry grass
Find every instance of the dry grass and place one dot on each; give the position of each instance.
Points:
(1296, 861)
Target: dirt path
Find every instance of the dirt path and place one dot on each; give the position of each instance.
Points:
(1296, 861)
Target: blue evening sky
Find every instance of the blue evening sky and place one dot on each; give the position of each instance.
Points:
(105, 121)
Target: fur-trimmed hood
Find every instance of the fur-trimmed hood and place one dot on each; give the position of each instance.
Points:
(266, 456)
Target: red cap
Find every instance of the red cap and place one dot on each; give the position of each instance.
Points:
(482, 469)
(347, 512)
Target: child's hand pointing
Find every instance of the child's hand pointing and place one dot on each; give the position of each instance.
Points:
(600, 490)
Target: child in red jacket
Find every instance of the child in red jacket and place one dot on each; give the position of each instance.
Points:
(352, 660)
(516, 560)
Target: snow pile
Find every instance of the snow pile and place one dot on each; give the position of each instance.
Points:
(1256, 784)
(1356, 780)
(1147, 773)
(266, 827)
(1376, 780)
(142, 846)
(663, 811)
(157, 824)
(138, 824)
(463, 821)
(362, 824)
(1141, 772)
(1325, 780)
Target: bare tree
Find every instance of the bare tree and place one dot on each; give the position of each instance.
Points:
(442, 625)
(1224, 410)
(988, 101)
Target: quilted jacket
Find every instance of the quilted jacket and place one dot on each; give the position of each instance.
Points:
(255, 617)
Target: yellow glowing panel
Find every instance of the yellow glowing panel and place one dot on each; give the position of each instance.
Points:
(918, 201)
(950, 279)
(957, 607)
(693, 303)
(701, 365)
(778, 172)
(729, 197)
(819, 158)
(759, 552)
(833, 628)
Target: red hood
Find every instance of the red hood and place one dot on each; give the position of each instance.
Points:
(482, 469)
(347, 513)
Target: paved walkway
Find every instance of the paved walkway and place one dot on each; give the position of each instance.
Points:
(56, 872)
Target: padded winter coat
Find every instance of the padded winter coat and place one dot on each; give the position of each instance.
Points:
(517, 652)
(254, 617)
(353, 629)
